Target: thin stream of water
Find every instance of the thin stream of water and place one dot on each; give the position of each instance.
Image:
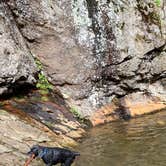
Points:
(138, 142)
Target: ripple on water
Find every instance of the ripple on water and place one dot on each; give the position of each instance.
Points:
(138, 142)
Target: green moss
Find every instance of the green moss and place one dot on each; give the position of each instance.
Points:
(158, 3)
(155, 18)
(39, 64)
(44, 92)
(49, 124)
(2, 104)
(44, 98)
(75, 112)
(77, 115)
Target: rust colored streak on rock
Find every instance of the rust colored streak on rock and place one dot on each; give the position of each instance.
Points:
(132, 105)
(24, 116)
(65, 112)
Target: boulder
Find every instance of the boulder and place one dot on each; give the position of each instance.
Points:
(17, 67)
(132, 105)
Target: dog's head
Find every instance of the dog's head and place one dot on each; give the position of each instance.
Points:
(35, 150)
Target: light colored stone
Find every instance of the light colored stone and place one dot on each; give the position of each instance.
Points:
(4, 149)
(132, 105)
(16, 138)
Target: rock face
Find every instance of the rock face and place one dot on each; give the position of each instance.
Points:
(132, 105)
(95, 50)
(17, 137)
(16, 63)
(26, 122)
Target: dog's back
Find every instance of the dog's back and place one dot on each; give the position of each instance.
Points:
(57, 155)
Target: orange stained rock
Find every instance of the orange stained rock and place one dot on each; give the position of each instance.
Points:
(141, 109)
(102, 115)
(97, 121)
(139, 104)
(135, 104)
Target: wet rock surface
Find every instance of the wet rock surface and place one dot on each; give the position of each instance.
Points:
(30, 120)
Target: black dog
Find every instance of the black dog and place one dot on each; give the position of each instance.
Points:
(53, 156)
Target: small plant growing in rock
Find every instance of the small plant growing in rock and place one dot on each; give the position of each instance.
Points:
(158, 2)
(43, 84)
(76, 114)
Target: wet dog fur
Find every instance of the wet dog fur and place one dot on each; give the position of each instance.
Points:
(54, 155)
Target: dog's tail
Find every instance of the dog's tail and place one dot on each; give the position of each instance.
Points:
(76, 154)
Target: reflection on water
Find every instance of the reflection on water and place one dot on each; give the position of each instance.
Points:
(138, 142)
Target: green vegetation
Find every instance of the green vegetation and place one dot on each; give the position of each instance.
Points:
(158, 3)
(45, 98)
(76, 114)
(39, 64)
(42, 83)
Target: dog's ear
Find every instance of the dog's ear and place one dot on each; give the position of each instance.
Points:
(41, 153)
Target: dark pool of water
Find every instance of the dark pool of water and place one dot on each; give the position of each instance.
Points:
(138, 142)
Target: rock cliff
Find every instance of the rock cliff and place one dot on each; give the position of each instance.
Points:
(17, 66)
(91, 50)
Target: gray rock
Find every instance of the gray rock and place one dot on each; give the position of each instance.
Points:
(93, 50)
(16, 63)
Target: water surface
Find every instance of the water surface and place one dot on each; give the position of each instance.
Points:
(138, 142)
